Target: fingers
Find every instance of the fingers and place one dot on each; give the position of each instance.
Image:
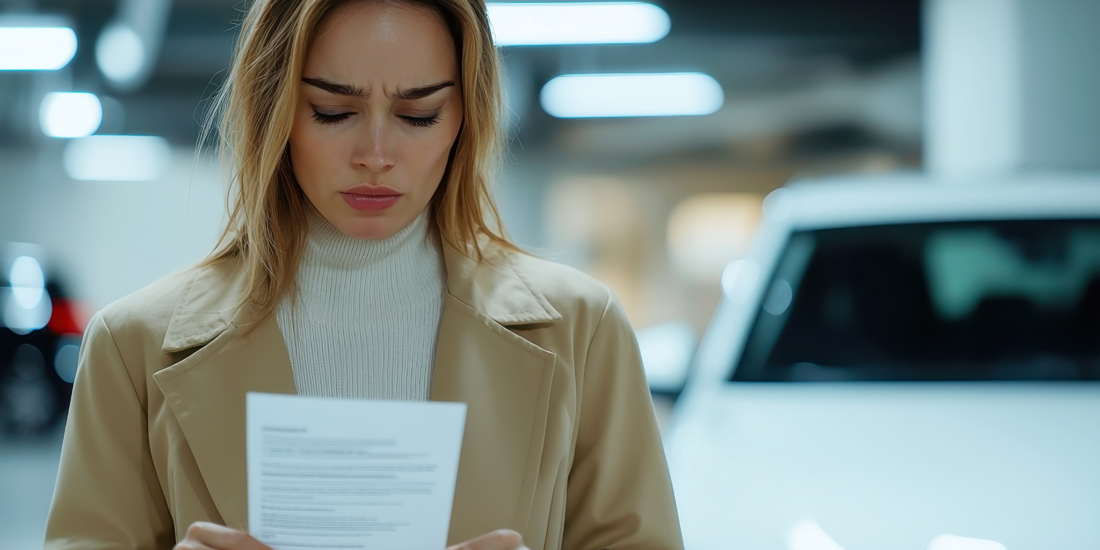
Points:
(210, 536)
(504, 539)
(188, 544)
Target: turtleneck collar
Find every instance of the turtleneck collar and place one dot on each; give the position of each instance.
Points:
(367, 315)
(327, 246)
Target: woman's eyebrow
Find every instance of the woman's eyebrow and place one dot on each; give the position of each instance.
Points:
(423, 91)
(332, 87)
(351, 90)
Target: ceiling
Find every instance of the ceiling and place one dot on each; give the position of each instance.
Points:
(747, 45)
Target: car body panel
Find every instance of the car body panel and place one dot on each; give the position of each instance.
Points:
(997, 461)
(881, 464)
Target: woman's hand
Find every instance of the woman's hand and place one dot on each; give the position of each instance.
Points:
(209, 536)
(503, 539)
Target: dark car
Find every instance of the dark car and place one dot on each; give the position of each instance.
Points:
(40, 332)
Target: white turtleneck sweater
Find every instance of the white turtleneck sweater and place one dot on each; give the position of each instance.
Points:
(367, 316)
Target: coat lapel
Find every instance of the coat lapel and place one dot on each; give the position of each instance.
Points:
(206, 391)
(505, 381)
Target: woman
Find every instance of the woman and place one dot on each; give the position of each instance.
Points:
(359, 261)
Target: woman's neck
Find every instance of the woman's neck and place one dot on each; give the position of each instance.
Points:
(328, 247)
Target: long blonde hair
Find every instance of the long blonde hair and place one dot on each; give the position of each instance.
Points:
(267, 210)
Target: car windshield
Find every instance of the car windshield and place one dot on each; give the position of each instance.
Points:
(996, 300)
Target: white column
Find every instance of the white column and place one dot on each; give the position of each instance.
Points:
(1011, 85)
(1061, 84)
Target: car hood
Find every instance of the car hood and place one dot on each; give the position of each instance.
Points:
(811, 466)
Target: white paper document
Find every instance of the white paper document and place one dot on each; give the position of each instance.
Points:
(346, 474)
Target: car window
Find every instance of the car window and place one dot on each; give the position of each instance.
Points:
(997, 300)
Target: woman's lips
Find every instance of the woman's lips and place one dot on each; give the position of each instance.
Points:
(370, 197)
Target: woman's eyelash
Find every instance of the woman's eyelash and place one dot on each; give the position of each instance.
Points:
(330, 119)
(421, 121)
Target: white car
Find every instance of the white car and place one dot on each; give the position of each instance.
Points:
(901, 364)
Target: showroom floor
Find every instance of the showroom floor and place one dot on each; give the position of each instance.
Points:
(27, 473)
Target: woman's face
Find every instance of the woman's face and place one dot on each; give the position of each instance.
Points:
(379, 109)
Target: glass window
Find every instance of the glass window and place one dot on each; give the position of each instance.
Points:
(997, 300)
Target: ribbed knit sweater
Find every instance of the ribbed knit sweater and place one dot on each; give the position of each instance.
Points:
(367, 313)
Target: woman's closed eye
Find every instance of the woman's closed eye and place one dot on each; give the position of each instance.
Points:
(421, 121)
(336, 118)
(330, 118)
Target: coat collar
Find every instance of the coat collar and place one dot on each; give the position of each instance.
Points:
(506, 381)
(498, 286)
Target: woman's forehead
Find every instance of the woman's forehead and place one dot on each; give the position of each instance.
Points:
(371, 44)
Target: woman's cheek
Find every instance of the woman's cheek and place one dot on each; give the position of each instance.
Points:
(443, 149)
(321, 149)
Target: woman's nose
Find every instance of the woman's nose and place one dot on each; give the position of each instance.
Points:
(374, 152)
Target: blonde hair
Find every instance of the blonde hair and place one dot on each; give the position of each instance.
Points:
(267, 210)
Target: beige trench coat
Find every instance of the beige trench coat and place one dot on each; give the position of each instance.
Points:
(560, 442)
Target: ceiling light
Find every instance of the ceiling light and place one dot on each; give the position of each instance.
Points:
(70, 115)
(120, 54)
(631, 95)
(36, 48)
(28, 282)
(952, 542)
(550, 23)
(117, 158)
(22, 320)
(25, 306)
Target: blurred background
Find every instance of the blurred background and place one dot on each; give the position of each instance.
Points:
(644, 138)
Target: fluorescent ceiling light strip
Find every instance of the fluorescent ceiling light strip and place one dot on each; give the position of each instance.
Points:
(36, 48)
(70, 114)
(553, 23)
(632, 95)
(117, 158)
